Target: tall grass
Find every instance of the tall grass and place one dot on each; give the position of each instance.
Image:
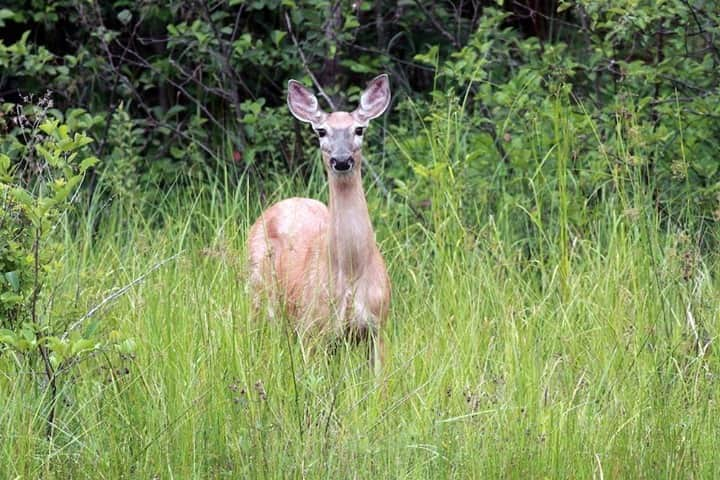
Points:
(588, 354)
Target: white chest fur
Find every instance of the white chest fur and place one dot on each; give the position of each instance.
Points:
(355, 310)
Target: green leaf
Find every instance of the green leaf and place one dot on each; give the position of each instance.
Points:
(276, 36)
(58, 347)
(81, 346)
(10, 299)
(80, 140)
(357, 67)
(706, 166)
(564, 6)
(4, 164)
(13, 280)
(5, 14)
(174, 110)
(28, 333)
(88, 162)
(63, 190)
(90, 329)
(430, 57)
(125, 16)
(8, 337)
(177, 152)
(49, 126)
(351, 22)
(64, 131)
(51, 158)
(21, 196)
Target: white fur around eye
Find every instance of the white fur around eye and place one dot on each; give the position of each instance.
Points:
(357, 141)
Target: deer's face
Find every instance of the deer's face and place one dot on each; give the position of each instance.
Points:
(340, 138)
(340, 133)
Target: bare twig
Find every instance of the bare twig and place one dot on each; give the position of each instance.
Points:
(49, 370)
(227, 71)
(386, 51)
(305, 63)
(111, 102)
(117, 294)
(702, 30)
(438, 26)
(331, 26)
(143, 62)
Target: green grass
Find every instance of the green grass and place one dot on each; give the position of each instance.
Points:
(573, 358)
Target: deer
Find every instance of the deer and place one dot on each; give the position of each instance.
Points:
(321, 264)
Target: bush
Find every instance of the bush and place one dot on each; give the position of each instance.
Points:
(42, 164)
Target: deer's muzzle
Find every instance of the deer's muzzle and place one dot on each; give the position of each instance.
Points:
(342, 165)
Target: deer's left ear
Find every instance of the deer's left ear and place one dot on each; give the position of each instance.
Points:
(375, 99)
(303, 103)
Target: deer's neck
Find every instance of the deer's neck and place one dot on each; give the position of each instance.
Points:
(351, 238)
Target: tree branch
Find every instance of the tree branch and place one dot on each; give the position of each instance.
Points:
(305, 63)
(438, 26)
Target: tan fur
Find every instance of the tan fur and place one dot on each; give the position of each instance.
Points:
(319, 264)
(339, 120)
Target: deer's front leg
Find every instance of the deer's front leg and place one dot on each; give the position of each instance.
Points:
(377, 353)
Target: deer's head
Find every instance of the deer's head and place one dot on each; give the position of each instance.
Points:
(340, 133)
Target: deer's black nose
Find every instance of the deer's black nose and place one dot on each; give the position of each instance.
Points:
(342, 165)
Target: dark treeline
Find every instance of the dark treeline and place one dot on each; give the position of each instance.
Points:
(187, 86)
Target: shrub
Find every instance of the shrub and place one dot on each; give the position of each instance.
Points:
(42, 164)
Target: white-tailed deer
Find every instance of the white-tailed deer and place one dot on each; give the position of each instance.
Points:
(321, 264)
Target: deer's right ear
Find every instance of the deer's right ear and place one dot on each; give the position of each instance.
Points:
(303, 104)
(375, 99)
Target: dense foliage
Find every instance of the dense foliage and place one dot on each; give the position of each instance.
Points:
(188, 86)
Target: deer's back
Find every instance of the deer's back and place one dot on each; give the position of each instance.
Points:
(284, 248)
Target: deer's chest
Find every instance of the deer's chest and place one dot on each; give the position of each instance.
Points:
(360, 304)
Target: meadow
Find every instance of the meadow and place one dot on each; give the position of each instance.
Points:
(518, 345)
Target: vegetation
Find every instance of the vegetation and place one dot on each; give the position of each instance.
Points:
(545, 190)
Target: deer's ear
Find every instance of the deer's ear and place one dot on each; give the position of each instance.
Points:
(303, 104)
(375, 99)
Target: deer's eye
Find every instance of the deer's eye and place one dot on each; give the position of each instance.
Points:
(359, 131)
(321, 132)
